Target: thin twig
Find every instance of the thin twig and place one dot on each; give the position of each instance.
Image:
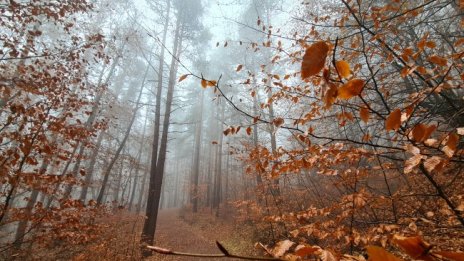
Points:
(225, 254)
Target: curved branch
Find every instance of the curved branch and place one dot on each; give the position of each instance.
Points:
(225, 254)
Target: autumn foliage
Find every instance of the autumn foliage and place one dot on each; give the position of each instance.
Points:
(373, 160)
(44, 103)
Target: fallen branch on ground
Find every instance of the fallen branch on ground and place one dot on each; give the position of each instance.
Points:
(224, 251)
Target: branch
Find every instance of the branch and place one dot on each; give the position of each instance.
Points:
(225, 254)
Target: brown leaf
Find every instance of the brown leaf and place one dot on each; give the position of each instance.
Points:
(412, 162)
(306, 250)
(326, 255)
(456, 256)
(350, 89)
(239, 67)
(343, 69)
(211, 83)
(376, 253)
(393, 121)
(282, 247)
(438, 60)
(330, 95)
(248, 131)
(314, 59)
(415, 247)
(183, 77)
(204, 83)
(432, 163)
(418, 132)
(364, 114)
(278, 122)
(451, 145)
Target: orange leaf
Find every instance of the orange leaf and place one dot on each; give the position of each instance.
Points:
(364, 114)
(343, 69)
(314, 59)
(204, 83)
(326, 74)
(452, 141)
(415, 247)
(433, 163)
(304, 251)
(350, 89)
(418, 132)
(249, 130)
(330, 95)
(456, 256)
(376, 253)
(278, 122)
(183, 77)
(393, 121)
(451, 145)
(429, 131)
(239, 67)
(438, 60)
(211, 83)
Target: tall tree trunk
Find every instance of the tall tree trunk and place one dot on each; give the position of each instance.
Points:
(139, 156)
(196, 160)
(157, 167)
(218, 178)
(159, 92)
(90, 167)
(121, 146)
(275, 188)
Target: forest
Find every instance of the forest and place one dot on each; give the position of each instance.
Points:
(232, 130)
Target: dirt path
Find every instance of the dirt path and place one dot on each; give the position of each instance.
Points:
(174, 233)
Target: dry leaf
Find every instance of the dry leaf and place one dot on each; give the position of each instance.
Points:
(415, 247)
(393, 121)
(350, 89)
(377, 253)
(364, 114)
(183, 77)
(456, 256)
(281, 247)
(314, 59)
(412, 162)
(343, 69)
(431, 163)
(435, 59)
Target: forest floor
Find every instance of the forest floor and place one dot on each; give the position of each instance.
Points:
(195, 233)
(177, 230)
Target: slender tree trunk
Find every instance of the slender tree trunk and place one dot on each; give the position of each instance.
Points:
(137, 169)
(121, 146)
(218, 179)
(196, 160)
(159, 92)
(157, 168)
(90, 167)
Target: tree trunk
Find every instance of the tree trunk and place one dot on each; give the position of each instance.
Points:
(157, 167)
(90, 167)
(137, 167)
(196, 160)
(121, 146)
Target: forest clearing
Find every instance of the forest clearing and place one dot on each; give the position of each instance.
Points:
(232, 130)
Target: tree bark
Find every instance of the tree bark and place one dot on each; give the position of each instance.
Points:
(157, 167)
(196, 160)
(121, 146)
